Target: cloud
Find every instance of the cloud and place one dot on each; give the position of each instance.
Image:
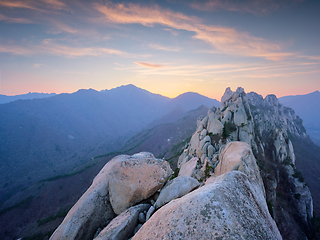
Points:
(59, 27)
(168, 49)
(256, 7)
(49, 46)
(149, 65)
(17, 50)
(59, 49)
(37, 5)
(173, 32)
(38, 65)
(18, 4)
(14, 20)
(55, 4)
(147, 16)
(224, 39)
(233, 70)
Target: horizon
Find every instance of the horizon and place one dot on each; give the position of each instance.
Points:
(218, 99)
(165, 47)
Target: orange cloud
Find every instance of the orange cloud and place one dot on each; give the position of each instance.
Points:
(149, 65)
(58, 49)
(147, 16)
(17, 4)
(14, 20)
(48, 46)
(38, 5)
(168, 49)
(55, 4)
(223, 39)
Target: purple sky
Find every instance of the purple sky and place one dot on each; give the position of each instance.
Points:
(167, 47)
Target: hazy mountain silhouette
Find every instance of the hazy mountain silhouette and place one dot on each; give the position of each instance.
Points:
(30, 95)
(308, 108)
(42, 138)
(56, 140)
(192, 100)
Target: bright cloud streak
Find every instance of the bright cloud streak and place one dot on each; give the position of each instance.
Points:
(48, 46)
(224, 39)
(150, 65)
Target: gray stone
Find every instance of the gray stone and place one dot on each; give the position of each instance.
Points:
(137, 228)
(142, 217)
(189, 167)
(175, 188)
(150, 212)
(211, 150)
(123, 225)
(203, 134)
(214, 125)
(226, 96)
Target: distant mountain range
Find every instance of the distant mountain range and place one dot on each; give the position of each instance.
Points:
(49, 147)
(30, 95)
(45, 137)
(308, 108)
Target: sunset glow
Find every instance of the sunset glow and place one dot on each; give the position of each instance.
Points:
(167, 47)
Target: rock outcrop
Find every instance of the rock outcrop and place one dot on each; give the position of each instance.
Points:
(236, 180)
(265, 125)
(122, 182)
(226, 208)
(231, 205)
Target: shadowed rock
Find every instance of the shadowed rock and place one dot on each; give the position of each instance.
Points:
(123, 225)
(176, 188)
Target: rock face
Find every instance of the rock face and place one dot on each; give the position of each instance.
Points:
(136, 178)
(228, 207)
(122, 182)
(239, 156)
(265, 125)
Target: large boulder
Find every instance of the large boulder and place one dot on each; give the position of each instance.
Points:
(122, 182)
(175, 188)
(239, 156)
(123, 225)
(189, 168)
(136, 178)
(91, 211)
(229, 207)
(214, 125)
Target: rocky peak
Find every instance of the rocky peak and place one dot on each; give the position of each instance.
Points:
(265, 125)
(272, 100)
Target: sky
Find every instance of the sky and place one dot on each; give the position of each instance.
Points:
(167, 47)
